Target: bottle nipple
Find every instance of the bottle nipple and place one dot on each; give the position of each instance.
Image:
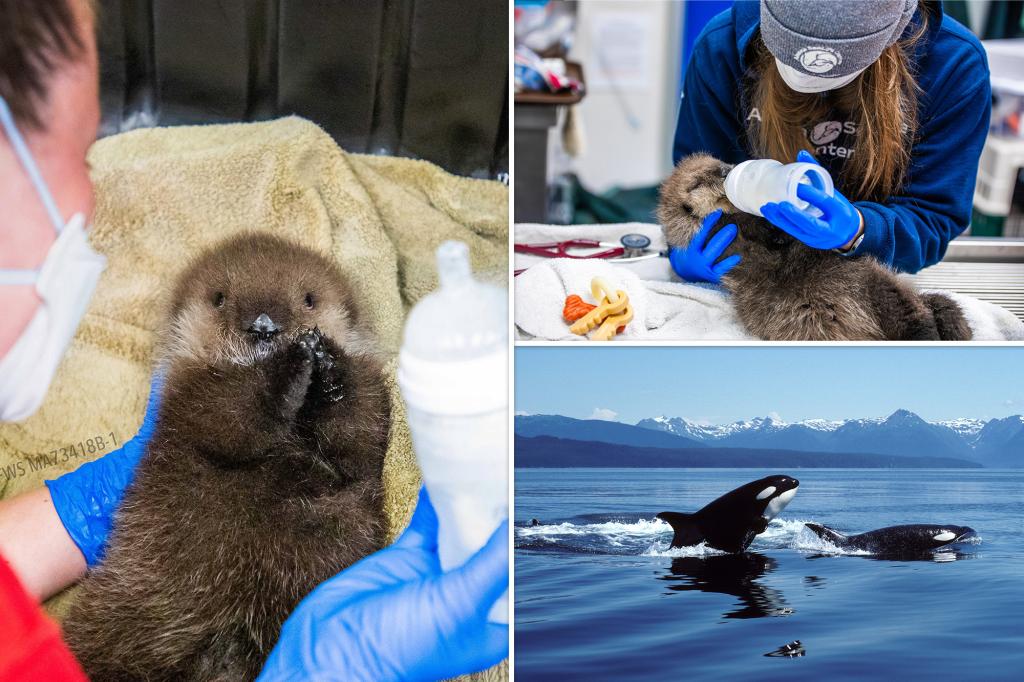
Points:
(453, 267)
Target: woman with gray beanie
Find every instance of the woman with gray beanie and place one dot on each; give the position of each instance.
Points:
(891, 96)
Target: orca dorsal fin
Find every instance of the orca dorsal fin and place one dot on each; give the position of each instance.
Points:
(687, 532)
(826, 533)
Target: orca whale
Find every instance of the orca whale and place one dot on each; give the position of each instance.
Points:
(731, 522)
(909, 540)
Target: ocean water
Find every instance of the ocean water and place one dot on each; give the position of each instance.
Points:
(600, 596)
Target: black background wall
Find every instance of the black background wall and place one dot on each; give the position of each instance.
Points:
(419, 78)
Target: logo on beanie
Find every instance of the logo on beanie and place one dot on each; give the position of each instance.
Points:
(818, 59)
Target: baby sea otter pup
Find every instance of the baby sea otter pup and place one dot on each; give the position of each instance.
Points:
(263, 477)
(786, 291)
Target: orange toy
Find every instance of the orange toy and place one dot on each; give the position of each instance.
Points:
(575, 308)
(607, 319)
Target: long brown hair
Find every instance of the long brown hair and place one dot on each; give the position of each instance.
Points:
(882, 101)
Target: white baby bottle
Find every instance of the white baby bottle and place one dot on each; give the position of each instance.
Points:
(752, 184)
(453, 373)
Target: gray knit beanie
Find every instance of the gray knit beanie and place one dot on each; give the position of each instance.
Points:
(832, 38)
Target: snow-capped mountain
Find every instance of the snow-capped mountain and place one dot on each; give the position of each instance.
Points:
(998, 442)
(705, 432)
(968, 428)
(993, 443)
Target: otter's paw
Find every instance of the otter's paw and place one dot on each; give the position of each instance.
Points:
(292, 373)
(327, 379)
(308, 342)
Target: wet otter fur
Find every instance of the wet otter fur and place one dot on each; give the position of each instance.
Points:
(263, 477)
(786, 291)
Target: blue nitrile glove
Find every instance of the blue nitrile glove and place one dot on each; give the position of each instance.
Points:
(696, 262)
(396, 616)
(837, 227)
(86, 498)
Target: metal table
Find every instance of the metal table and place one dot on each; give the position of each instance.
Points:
(988, 268)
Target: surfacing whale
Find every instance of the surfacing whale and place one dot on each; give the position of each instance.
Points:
(731, 522)
(912, 539)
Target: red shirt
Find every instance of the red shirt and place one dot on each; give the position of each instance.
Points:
(31, 647)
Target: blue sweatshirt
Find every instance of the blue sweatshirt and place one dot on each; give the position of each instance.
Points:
(910, 230)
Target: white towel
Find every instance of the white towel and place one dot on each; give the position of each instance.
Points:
(541, 292)
(663, 310)
(695, 312)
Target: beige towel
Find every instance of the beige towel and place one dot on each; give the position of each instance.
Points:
(164, 194)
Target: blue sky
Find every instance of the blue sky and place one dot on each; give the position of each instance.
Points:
(725, 384)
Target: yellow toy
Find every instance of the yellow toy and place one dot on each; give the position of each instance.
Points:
(610, 316)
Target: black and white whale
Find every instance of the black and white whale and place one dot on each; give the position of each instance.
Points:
(731, 522)
(909, 540)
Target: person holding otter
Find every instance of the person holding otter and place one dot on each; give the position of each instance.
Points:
(392, 615)
(892, 97)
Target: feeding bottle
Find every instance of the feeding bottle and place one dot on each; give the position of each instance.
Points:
(752, 184)
(453, 373)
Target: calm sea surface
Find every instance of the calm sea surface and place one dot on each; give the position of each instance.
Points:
(600, 596)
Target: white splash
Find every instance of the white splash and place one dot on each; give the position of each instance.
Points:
(611, 529)
(659, 548)
(793, 534)
(653, 537)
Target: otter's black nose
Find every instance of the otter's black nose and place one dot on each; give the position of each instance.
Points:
(263, 328)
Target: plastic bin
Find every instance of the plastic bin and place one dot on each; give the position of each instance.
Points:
(1006, 63)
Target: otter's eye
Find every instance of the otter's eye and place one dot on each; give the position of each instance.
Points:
(218, 300)
(309, 300)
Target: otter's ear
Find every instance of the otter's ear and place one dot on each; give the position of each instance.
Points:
(713, 178)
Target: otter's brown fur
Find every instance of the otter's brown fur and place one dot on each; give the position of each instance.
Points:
(263, 477)
(786, 291)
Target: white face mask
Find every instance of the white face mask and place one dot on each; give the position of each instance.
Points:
(64, 283)
(802, 82)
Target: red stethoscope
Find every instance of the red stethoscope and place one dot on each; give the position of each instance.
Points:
(629, 249)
